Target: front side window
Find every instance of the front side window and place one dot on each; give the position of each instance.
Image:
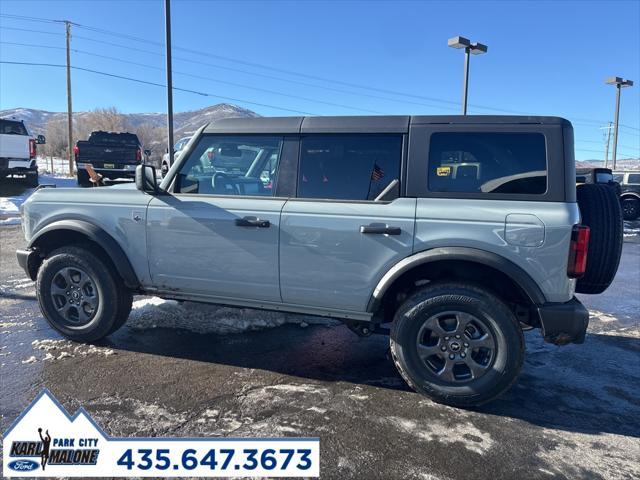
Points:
(231, 165)
(348, 167)
(475, 162)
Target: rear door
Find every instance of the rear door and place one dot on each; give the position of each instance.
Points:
(217, 235)
(335, 241)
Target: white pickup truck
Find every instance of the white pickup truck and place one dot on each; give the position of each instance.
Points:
(18, 151)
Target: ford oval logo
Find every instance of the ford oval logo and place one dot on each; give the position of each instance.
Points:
(23, 465)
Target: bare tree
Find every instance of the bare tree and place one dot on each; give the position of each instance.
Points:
(56, 133)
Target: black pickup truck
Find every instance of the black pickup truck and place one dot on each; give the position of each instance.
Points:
(111, 154)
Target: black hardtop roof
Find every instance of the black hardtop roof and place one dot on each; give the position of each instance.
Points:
(363, 124)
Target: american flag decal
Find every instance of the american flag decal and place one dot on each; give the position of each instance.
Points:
(377, 173)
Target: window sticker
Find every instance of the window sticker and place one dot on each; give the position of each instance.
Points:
(443, 171)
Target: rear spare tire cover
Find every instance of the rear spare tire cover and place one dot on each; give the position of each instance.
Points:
(601, 212)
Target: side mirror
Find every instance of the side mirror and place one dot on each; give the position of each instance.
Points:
(146, 179)
(147, 152)
(40, 140)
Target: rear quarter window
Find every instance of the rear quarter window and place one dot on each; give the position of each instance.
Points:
(486, 162)
(634, 178)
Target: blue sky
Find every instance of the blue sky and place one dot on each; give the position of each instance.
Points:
(545, 57)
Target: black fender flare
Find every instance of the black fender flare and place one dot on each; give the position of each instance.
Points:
(474, 255)
(97, 235)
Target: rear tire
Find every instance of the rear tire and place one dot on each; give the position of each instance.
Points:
(630, 208)
(164, 169)
(79, 294)
(32, 179)
(457, 344)
(601, 212)
(83, 178)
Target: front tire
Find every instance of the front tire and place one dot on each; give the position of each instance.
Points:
(79, 294)
(457, 344)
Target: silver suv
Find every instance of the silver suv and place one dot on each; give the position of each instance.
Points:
(450, 234)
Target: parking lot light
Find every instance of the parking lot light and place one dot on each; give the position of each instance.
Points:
(470, 48)
(620, 83)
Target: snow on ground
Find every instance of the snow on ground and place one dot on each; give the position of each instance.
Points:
(60, 166)
(10, 203)
(154, 312)
(9, 209)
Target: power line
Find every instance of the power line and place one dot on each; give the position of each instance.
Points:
(146, 82)
(268, 67)
(31, 30)
(285, 71)
(200, 77)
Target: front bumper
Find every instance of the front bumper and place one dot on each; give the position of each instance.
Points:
(29, 260)
(563, 323)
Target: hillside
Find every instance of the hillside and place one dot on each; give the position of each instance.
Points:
(184, 122)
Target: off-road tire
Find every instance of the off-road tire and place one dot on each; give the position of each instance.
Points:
(630, 208)
(110, 305)
(434, 299)
(601, 212)
(124, 308)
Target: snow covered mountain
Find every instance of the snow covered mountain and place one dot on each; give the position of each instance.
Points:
(184, 122)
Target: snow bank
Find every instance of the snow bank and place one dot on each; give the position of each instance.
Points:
(154, 312)
(10, 205)
(10, 208)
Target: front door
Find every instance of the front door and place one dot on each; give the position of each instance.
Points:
(336, 241)
(217, 234)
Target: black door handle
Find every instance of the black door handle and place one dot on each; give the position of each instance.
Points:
(380, 229)
(252, 222)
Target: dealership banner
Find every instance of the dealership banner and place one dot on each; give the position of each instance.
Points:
(45, 441)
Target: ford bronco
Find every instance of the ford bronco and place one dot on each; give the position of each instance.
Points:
(450, 234)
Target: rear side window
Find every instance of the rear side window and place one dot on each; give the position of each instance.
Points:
(634, 178)
(485, 162)
(11, 127)
(348, 167)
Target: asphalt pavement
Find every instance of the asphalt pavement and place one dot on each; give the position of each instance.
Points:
(573, 413)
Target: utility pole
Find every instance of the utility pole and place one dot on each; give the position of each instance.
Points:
(167, 29)
(69, 108)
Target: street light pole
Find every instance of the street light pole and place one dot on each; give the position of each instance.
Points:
(465, 87)
(469, 49)
(167, 27)
(619, 83)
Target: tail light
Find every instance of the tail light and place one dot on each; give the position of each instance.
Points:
(578, 251)
(76, 151)
(32, 148)
(138, 155)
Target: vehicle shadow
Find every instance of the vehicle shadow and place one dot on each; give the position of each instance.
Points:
(591, 388)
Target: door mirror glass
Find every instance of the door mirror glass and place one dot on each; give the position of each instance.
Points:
(146, 180)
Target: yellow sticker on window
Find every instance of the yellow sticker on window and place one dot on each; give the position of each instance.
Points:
(443, 171)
